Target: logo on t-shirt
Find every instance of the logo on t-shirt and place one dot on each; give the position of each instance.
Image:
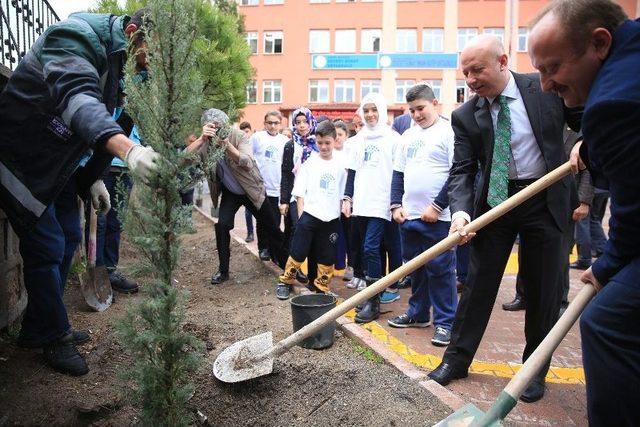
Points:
(326, 184)
(371, 157)
(414, 148)
(270, 153)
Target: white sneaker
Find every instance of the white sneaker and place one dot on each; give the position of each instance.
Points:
(353, 283)
(361, 284)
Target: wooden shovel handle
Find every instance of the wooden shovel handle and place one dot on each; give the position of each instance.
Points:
(91, 244)
(445, 244)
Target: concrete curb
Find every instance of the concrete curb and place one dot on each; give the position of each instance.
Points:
(364, 337)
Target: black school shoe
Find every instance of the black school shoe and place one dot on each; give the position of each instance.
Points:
(283, 291)
(79, 337)
(219, 277)
(63, 356)
(122, 284)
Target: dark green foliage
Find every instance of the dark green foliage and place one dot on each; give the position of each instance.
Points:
(165, 108)
(221, 51)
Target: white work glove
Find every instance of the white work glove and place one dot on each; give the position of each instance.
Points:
(100, 197)
(142, 161)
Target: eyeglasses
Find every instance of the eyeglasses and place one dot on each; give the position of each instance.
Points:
(272, 123)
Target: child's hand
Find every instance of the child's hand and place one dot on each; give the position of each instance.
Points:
(346, 208)
(399, 215)
(208, 131)
(430, 214)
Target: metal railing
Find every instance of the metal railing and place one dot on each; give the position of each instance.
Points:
(21, 23)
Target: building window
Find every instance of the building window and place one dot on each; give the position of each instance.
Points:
(248, 2)
(463, 93)
(435, 85)
(252, 41)
(402, 86)
(273, 42)
(345, 1)
(319, 41)
(271, 91)
(464, 36)
(406, 41)
(498, 32)
(523, 38)
(252, 92)
(320, 1)
(433, 40)
(344, 90)
(371, 40)
(318, 90)
(369, 86)
(345, 41)
(273, 1)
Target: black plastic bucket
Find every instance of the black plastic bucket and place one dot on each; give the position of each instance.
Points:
(307, 308)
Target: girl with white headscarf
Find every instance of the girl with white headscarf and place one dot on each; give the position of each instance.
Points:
(368, 190)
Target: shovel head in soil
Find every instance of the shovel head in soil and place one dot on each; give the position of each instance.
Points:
(96, 288)
(94, 283)
(238, 361)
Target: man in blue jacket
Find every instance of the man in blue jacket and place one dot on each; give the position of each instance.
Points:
(58, 137)
(588, 52)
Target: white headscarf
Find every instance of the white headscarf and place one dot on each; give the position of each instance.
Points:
(381, 104)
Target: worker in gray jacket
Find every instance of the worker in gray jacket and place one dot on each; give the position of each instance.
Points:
(58, 137)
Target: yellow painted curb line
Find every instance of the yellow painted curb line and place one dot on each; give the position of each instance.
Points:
(430, 361)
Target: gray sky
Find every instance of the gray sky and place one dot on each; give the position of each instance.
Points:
(65, 7)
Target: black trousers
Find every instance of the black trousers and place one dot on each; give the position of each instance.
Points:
(263, 239)
(314, 236)
(290, 224)
(543, 256)
(229, 205)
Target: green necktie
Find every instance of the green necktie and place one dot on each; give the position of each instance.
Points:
(499, 178)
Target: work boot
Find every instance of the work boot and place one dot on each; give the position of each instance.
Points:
(62, 355)
(371, 309)
(122, 284)
(288, 276)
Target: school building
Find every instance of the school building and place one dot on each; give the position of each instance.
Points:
(327, 54)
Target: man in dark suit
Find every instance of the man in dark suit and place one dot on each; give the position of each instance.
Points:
(588, 52)
(502, 128)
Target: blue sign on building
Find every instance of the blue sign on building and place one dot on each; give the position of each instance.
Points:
(438, 61)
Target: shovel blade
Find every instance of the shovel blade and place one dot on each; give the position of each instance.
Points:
(467, 416)
(236, 363)
(96, 288)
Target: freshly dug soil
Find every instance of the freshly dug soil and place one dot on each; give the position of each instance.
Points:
(344, 385)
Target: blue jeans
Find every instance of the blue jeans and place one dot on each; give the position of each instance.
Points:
(583, 240)
(433, 283)
(374, 230)
(109, 225)
(47, 251)
(596, 215)
(249, 219)
(611, 350)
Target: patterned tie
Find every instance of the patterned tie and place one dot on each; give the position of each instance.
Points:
(499, 178)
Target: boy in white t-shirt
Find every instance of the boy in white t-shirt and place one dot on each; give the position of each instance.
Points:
(318, 189)
(268, 146)
(419, 203)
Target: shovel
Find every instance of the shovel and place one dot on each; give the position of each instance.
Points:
(253, 357)
(470, 415)
(94, 283)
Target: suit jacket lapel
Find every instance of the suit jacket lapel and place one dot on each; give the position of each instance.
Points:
(531, 97)
(483, 118)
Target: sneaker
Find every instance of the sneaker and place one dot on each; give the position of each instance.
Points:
(388, 297)
(283, 291)
(264, 255)
(249, 238)
(441, 337)
(301, 277)
(348, 274)
(63, 356)
(404, 321)
(362, 284)
(122, 284)
(353, 283)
